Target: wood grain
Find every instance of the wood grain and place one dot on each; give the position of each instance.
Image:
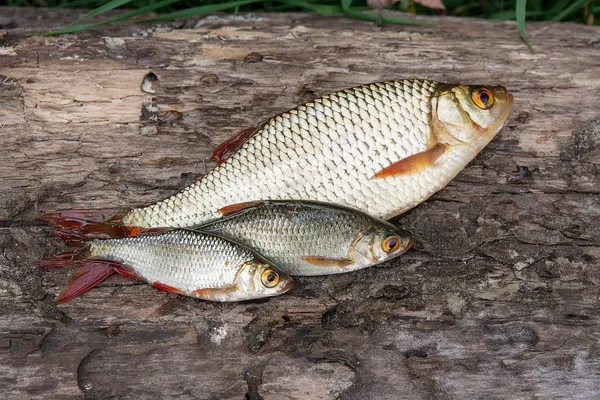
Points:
(499, 299)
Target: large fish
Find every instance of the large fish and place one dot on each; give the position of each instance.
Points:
(186, 262)
(381, 148)
(310, 238)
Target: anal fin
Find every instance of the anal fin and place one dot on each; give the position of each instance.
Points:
(415, 163)
(167, 288)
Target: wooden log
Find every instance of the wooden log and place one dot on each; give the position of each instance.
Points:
(498, 299)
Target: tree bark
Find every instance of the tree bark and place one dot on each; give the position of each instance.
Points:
(498, 299)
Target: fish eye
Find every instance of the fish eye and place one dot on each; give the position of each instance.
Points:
(390, 243)
(482, 98)
(270, 278)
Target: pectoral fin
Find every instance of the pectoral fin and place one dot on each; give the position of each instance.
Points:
(328, 262)
(219, 294)
(414, 163)
(234, 208)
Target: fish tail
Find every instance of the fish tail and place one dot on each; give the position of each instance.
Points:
(65, 259)
(89, 275)
(91, 272)
(90, 224)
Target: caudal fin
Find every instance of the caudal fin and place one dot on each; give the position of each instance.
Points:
(90, 274)
(60, 260)
(90, 224)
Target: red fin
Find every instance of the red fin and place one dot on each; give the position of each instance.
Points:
(90, 274)
(414, 163)
(228, 147)
(233, 208)
(126, 271)
(92, 224)
(167, 288)
(60, 260)
(69, 237)
(151, 231)
(328, 262)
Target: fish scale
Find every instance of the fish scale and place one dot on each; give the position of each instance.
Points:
(310, 238)
(181, 259)
(338, 148)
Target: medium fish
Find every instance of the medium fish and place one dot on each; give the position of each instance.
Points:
(311, 238)
(186, 262)
(381, 148)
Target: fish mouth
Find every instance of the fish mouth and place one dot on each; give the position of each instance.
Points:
(411, 241)
(288, 286)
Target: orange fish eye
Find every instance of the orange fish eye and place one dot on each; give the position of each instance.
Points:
(390, 243)
(482, 98)
(270, 278)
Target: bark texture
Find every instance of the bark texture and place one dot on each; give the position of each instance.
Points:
(499, 299)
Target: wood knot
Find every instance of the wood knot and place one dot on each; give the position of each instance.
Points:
(253, 57)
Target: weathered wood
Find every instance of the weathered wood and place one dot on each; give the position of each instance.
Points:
(499, 299)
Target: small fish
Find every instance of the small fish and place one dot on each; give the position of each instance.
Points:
(310, 238)
(185, 262)
(381, 148)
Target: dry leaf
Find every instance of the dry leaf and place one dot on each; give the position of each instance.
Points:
(381, 3)
(437, 4)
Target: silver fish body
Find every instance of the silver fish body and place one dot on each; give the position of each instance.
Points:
(381, 148)
(194, 264)
(311, 238)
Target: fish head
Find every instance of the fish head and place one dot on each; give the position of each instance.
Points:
(469, 114)
(381, 243)
(258, 279)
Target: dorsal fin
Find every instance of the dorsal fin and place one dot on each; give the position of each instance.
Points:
(234, 208)
(223, 151)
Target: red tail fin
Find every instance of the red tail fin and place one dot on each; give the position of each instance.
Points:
(90, 224)
(60, 260)
(88, 275)
(69, 237)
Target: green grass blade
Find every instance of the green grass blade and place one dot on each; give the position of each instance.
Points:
(571, 9)
(512, 15)
(520, 13)
(320, 8)
(130, 14)
(78, 4)
(559, 5)
(201, 10)
(102, 9)
(346, 4)
(386, 19)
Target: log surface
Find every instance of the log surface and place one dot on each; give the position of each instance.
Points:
(499, 299)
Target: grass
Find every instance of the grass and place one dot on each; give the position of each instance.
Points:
(581, 11)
